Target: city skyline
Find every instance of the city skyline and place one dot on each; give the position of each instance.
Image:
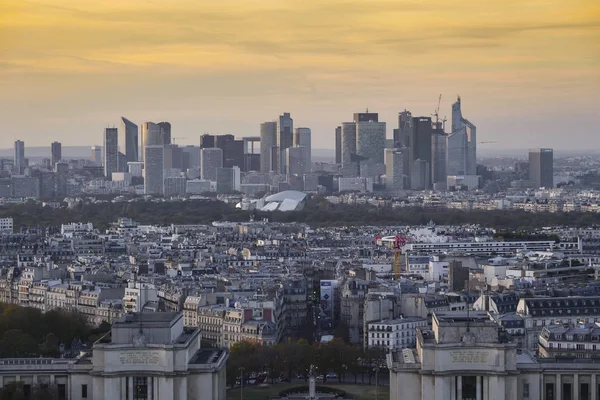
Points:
(510, 68)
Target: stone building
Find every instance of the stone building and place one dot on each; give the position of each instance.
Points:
(146, 356)
(467, 356)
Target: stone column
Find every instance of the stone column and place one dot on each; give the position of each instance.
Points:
(479, 387)
(486, 388)
(459, 388)
(594, 388)
(441, 387)
(452, 388)
(558, 390)
(575, 386)
(123, 387)
(150, 388)
(130, 387)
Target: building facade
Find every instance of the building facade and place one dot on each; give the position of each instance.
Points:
(462, 145)
(302, 138)
(466, 356)
(128, 140)
(211, 159)
(395, 334)
(151, 136)
(55, 152)
(541, 168)
(147, 356)
(154, 170)
(111, 152)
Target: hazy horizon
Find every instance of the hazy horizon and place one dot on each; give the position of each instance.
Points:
(528, 73)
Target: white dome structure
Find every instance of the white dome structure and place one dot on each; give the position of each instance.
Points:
(288, 200)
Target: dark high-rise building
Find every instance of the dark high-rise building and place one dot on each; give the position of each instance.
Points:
(366, 117)
(541, 168)
(207, 141)
(221, 140)
(251, 153)
(20, 162)
(61, 174)
(173, 157)
(338, 145)
(128, 140)
(233, 154)
(420, 152)
(56, 150)
(402, 134)
(165, 130)
(111, 152)
(285, 138)
(233, 150)
(420, 139)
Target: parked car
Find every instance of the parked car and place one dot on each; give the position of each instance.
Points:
(332, 375)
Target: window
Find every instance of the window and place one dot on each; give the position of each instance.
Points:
(526, 389)
(84, 392)
(140, 388)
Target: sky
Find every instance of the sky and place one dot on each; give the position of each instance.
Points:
(528, 72)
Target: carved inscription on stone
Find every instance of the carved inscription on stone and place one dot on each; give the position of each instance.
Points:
(140, 357)
(469, 357)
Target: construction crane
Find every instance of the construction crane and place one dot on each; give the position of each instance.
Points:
(436, 114)
(396, 242)
(174, 138)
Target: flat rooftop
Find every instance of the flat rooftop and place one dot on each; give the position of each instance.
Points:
(148, 318)
(461, 316)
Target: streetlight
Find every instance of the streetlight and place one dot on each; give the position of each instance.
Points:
(376, 369)
(242, 383)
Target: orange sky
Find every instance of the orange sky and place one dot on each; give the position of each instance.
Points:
(528, 71)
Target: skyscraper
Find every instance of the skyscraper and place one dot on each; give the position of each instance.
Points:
(394, 169)
(19, 164)
(207, 141)
(165, 131)
(348, 139)
(56, 152)
(111, 152)
(370, 137)
(173, 157)
(61, 170)
(210, 160)
(268, 142)
(462, 146)
(151, 136)
(128, 140)
(285, 137)
(541, 168)
(233, 150)
(438, 157)
(228, 180)
(154, 169)
(295, 160)
(420, 150)
(191, 157)
(402, 138)
(302, 137)
(96, 155)
(338, 145)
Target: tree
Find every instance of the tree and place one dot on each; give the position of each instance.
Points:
(50, 347)
(15, 343)
(341, 331)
